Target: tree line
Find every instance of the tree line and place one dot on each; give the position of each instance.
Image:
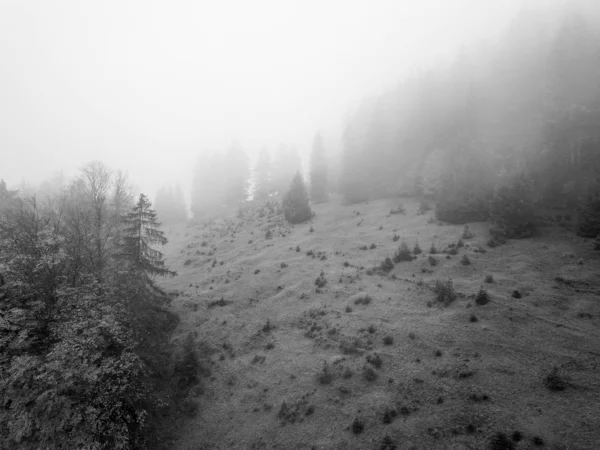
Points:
(513, 121)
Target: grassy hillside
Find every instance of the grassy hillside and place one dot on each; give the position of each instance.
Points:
(290, 365)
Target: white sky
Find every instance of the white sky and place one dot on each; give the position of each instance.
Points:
(146, 85)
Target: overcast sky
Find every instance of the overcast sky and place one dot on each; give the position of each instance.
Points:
(147, 85)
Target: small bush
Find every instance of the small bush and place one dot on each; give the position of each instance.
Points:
(417, 250)
(387, 265)
(501, 442)
(268, 234)
(283, 265)
(297, 248)
(460, 243)
(489, 278)
(369, 373)
(465, 261)
(516, 294)
(363, 299)
(432, 260)
(444, 291)
(402, 254)
(320, 282)
(388, 340)
(395, 238)
(432, 249)
(473, 318)
(357, 426)
(373, 247)
(554, 381)
(482, 297)
(375, 360)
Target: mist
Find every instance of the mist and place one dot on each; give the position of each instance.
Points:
(148, 86)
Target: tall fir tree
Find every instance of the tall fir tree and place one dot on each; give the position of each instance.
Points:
(237, 175)
(141, 231)
(296, 204)
(262, 176)
(318, 171)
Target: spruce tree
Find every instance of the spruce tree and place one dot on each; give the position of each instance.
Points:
(296, 205)
(262, 176)
(140, 233)
(318, 171)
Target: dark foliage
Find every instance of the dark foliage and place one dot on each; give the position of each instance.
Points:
(295, 203)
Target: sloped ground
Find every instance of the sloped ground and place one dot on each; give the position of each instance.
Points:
(452, 377)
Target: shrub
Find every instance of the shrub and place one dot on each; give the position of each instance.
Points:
(465, 261)
(357, 426)
(395, 238)
(473, 318)
(432, 260)
(268, 234)
(432, 249)
(417, 250)
(369, 373)
(375, 360)
(482, 297)
(388, 340)
(373, 247)
(501, 442)
(460, 243)
(444, 291)
(295, 203)
(320, 282)
(554, 381)
(363, 298)
(489, 278)
(387, 265)
(402, 254)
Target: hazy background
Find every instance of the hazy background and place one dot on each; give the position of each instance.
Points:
(145, 86)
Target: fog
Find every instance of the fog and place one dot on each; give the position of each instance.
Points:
(147, 86)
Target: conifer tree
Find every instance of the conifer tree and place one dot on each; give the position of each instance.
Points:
(140, 233)
(318, 171)
(296, 205)
(262, 176)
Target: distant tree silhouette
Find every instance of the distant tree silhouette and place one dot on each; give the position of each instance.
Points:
(318, 171)
(262, 176)
(295, 203)
(286, 163)
(237, 175)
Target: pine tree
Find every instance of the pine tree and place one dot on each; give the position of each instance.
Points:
(141, 231)
(287, 162)
(296, 205)
(318, 171)
(262, 176)
(237, 175)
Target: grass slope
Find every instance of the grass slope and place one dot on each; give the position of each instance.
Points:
(451, 377)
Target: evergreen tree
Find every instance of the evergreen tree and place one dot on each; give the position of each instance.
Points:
(237, 175)
(287, 162)
(296, 204)
(141, 231)
(318, 171)
(262, 176)
(169, 204)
